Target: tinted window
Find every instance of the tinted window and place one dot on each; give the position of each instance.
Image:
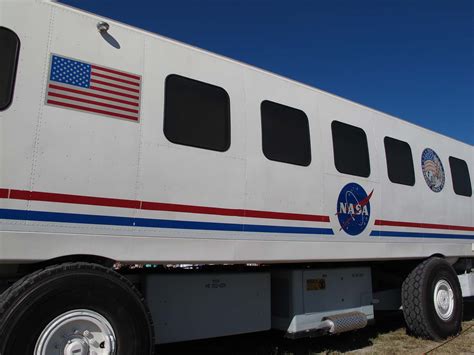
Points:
(196, 114)
(460, 176)
(285, 134)
(351, 153)
(399, 161)
(9, 49)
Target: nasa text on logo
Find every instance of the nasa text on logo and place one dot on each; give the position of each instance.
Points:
(433, 170)
(353, 208)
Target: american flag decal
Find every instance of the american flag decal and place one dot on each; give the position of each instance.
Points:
(91, 88)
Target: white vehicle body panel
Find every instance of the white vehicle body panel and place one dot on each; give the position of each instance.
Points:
(221, 304)
(73, 182)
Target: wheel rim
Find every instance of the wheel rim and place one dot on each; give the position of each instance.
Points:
(443, 299)
(77, 332)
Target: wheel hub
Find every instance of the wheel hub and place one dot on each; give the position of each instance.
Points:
(443, 300)
(76, 347)
(77, 332)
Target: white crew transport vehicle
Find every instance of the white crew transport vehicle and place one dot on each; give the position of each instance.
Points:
(152, 192)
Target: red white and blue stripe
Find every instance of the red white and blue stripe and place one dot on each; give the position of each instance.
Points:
(60, 217)
(383, 228)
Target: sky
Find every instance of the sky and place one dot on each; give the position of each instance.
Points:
(412, 59)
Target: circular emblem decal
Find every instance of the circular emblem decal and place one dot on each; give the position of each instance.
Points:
(353, 208)
(432, 170)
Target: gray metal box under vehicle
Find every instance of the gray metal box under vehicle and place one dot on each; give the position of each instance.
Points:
(302, 298)
(187, 306)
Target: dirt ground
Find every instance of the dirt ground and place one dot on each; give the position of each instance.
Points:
(387, 336)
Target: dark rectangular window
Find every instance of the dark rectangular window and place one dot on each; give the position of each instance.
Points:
(196, 114)
(460, 175)
(399, 161)
(351, 152)
(285, 134)
(9, 49)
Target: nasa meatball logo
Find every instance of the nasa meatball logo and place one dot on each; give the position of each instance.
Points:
(432, 170)
(353, 208)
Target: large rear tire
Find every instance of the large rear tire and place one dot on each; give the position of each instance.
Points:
(432, 300)
(74, 308)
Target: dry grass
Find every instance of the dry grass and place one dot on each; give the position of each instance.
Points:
(388, 336)
(397, 342)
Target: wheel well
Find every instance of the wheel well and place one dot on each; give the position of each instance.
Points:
(95, 259)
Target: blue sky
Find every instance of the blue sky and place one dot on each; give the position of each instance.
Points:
(412, 59)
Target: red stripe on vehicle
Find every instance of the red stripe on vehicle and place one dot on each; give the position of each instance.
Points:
(286, 215)
(74, 199)
(52, 86)
(116, 72)
(4, 193)
(159, 206)
(114, 85)
(78, 107)
(379, 222)
(171, 207)
(20, 195)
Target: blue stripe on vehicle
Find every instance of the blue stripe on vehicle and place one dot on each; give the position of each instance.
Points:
(153, 223)
(419, 235)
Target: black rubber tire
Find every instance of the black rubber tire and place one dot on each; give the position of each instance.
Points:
(36, 299)
(418, 304)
